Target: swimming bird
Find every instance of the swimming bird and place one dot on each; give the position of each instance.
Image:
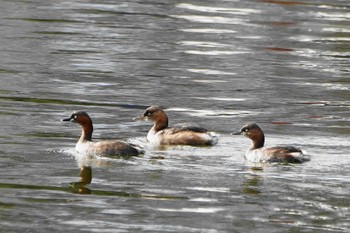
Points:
(85, 145)
(258, 153)
(185, 134)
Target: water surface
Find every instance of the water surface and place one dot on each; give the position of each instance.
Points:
(283, 64)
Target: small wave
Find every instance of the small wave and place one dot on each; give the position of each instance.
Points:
(194, 210)
(211, 9)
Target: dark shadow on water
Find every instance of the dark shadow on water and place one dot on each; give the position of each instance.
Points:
(84, 190)
(79, 187)
(67, 102)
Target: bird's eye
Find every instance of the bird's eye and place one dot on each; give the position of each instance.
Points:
(245, 129)
(75, 116)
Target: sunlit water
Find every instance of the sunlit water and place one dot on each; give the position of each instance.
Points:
(283, 64)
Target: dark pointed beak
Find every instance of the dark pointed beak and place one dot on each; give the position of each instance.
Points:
(67, 119)
(237, 133)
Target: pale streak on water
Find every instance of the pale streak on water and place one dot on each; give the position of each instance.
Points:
(283, 64)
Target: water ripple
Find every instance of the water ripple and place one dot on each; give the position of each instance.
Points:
(210, 19)
(212, 9)
(208, 30)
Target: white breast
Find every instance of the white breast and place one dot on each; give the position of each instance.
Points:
(82, 147)
(255, 156)
(153, 137)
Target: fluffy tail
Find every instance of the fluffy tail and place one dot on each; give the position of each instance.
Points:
(301, 156)
(213, 138)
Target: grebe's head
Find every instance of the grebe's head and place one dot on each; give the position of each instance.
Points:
(154, 113)
(79, 117)
(250, 130)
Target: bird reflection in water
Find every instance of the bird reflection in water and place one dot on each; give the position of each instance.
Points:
(85, 179)
(252, 183)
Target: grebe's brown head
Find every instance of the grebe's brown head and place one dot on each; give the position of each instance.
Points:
(250, 130)
(82, 118)
(154, 113)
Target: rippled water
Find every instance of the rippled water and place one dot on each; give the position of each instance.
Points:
(283, 64)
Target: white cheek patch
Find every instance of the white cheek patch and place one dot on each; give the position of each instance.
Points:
(74, 119)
